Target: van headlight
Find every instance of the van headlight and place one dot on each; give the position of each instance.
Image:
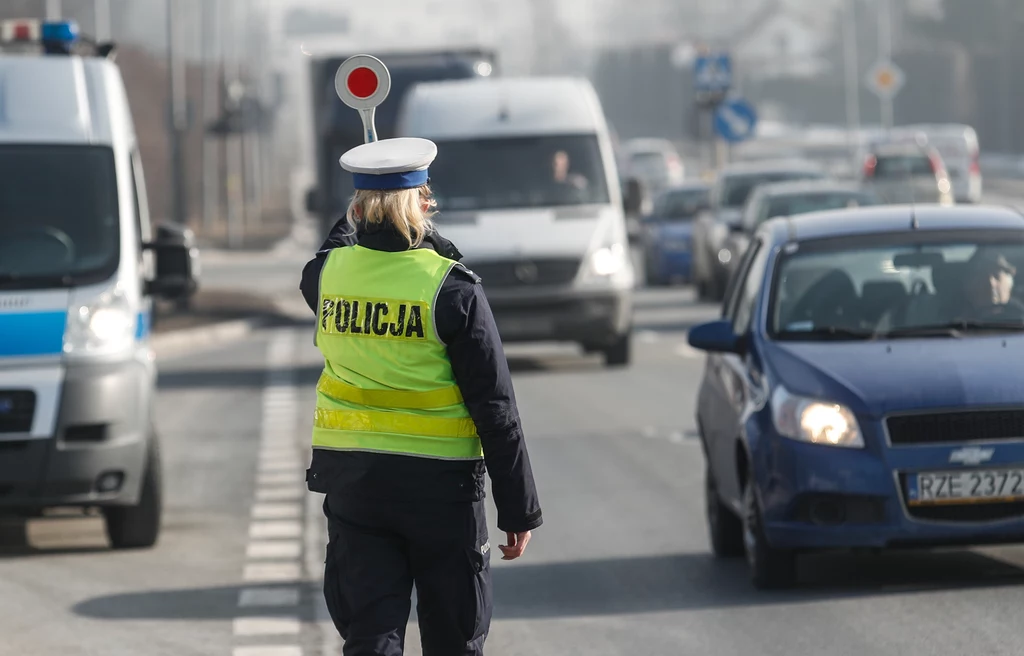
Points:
(814, 421)
(105, 325)
(608, 260)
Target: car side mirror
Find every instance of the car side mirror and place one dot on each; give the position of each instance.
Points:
(313, 201)
(632, 197)
(176, 262)
(715, 337)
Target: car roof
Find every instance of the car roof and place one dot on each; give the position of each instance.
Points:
(769, 166)
(891, 218)
(795, 187)
(695, 185)
(899, 148)
(648, 145)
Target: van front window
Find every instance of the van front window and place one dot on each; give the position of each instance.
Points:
(518, 172)
(58, 215)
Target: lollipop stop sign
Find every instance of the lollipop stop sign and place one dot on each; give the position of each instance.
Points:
(363, 83)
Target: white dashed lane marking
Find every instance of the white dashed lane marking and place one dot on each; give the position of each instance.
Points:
(274, 555)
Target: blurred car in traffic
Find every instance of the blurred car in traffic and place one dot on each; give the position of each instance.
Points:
(654, 162)
(729, 195)
(666, 233)
(961, 153)
(907, 173)
(528, 189)
(863, 386)
(791, 199)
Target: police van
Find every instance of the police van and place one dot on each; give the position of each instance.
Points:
(528, 189)
(78, 275)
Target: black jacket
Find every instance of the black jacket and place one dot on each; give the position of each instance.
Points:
(465, 324)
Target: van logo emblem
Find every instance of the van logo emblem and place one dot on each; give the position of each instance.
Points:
(971, 455)
(526, 272)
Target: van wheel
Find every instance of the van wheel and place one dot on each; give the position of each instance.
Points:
(724, 527)
(618, 354)
(137, 527)
(770, 568)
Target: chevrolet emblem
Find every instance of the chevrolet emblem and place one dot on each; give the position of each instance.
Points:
(971, 455)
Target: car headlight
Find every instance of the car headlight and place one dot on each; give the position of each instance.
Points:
(608, 260)
(724, 256)
(814, 421)
(106, 325)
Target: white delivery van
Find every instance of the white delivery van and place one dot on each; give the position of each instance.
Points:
(528, 190)
(77, 376)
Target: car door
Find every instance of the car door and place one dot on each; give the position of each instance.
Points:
(735, 378)
(716, 393)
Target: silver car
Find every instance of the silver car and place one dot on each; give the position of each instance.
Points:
(908, 173)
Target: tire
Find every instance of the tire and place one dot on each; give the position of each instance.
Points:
(618, 354)
(724, 527)
(770, 569)
(138, 527)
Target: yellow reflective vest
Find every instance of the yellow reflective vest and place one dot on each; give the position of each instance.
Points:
(387, 385)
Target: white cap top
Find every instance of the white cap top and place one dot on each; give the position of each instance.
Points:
(401, 155)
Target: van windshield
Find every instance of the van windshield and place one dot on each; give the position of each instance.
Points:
(58, 215)
(518, 172)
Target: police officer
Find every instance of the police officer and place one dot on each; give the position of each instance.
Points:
(414, 400)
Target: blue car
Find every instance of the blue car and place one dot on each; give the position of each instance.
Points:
(864, 387)
(667, 233)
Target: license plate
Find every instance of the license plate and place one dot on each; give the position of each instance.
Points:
(963, 487)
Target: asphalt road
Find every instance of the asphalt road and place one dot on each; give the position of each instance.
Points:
(621, 566)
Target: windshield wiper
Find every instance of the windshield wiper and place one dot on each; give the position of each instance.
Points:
(825, 333)
(54, 279)
(953, 329)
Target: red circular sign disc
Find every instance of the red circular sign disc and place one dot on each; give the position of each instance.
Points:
(362, 82)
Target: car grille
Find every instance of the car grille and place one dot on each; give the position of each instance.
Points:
(16, 410)
(518, 273)
(956, 427)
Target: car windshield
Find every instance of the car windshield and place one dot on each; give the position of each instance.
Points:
(735, 189)
(793, 204)
(518, 172)
(901, 166)
(58, 215)
(680, 204)
(649, 163)
(906, 287)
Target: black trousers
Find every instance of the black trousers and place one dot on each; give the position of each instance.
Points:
(378, 551)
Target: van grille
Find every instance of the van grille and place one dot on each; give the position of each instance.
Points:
(16, 410)
(516, 273)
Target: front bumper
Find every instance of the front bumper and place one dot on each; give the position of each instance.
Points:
(820, 497)
(591, 317)
(102, 427)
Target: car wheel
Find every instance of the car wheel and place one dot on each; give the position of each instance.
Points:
(770, 569)
(618, 354)
(138, 527)
(724, 527)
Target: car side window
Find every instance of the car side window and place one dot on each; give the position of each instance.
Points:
(748, 292)
(732, 292)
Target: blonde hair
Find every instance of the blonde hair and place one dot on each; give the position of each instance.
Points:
(403, 208)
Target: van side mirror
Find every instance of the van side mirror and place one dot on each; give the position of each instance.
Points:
(176, 263)
(715, 337)
(632, 197)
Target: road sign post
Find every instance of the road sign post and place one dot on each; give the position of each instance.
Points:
(712, 80)
(735, 120)
(885, 80)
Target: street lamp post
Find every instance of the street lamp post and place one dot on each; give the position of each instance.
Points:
(885, 52)
(53, 9)
(101, 15)
(850, 56)
(177, 125)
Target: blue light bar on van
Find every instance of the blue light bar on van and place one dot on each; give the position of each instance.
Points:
(59, 32)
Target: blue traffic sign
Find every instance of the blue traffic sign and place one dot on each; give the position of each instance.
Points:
(712, 73)
(735, 120)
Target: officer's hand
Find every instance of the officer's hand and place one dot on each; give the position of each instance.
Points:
(516, 545)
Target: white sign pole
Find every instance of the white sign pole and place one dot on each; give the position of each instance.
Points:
(852, 78)
(885, 50)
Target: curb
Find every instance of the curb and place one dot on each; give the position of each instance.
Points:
(178, 341)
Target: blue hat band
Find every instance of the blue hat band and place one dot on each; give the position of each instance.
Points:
(389, 181)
